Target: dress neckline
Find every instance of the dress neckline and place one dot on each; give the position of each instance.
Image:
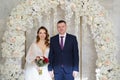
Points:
(43, 53)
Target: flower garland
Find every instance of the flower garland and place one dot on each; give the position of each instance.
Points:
(101, 29)
(21, 19)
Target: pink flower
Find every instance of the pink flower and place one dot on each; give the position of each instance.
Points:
(107, 62)
(37, 58)
(104, 78)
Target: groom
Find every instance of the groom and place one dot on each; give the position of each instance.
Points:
(63, 55)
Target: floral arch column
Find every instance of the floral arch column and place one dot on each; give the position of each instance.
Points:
(21, 19)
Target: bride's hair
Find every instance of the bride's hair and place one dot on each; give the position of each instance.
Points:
(47, 36)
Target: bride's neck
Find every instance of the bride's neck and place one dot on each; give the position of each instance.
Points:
(41, 42)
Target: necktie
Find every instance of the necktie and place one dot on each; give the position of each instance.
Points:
(61, 42)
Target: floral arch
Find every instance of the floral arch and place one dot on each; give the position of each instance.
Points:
(21, 19)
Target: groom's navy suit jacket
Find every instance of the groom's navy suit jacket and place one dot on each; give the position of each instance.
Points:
(67, 58)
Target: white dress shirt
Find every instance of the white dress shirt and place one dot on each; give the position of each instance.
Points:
(63, 38)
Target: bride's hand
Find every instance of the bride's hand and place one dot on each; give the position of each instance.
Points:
(51, 74)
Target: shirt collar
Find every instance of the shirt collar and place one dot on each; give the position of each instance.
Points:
(63, 35)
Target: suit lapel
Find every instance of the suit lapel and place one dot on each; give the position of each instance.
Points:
(66, 41)
(58, 42)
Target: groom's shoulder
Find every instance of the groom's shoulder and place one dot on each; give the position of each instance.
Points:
(71, 35)
(54, 37)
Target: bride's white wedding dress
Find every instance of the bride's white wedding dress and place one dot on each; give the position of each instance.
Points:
(31, 69)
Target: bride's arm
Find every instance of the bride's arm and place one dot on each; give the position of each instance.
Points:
(30, 57)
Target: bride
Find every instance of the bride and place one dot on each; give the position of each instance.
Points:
(38, 48)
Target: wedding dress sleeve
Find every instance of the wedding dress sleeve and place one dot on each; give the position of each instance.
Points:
(31, 54)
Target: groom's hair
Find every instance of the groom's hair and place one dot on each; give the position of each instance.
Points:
(61, 21)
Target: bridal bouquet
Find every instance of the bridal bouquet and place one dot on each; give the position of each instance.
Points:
(41, 61)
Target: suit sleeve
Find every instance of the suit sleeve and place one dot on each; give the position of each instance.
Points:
(76, 55)
(51, 57)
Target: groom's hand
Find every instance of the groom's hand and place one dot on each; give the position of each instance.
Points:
(51, 74)
(75, 73)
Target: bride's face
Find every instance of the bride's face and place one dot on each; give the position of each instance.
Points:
(42, 34)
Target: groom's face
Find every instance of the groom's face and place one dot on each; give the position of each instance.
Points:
(61, 27)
